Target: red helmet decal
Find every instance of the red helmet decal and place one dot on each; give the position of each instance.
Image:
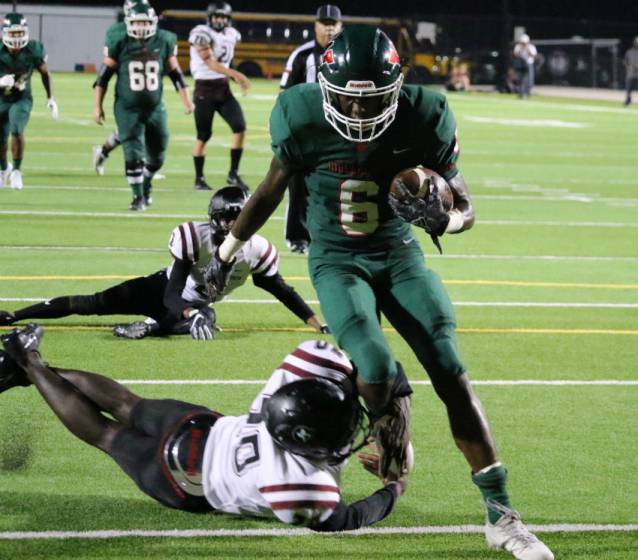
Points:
(394, 57)
(329, 56)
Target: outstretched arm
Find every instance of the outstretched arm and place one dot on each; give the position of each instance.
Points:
(286, 294)
(365, 512)
(258, 209)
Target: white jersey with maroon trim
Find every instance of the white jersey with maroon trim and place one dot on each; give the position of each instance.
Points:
(222, 43)
(192, 242)
(246, 472)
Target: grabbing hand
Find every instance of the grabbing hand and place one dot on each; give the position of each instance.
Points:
(370, 461)
(202, 325)
(216, 275)
(52, 106)
(427, 213)
(392, 435)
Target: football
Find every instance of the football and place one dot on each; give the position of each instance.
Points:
(420, 181)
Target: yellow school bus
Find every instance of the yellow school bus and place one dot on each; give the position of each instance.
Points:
(268, 39)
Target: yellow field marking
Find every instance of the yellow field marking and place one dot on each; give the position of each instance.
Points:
(518, 283)
(528, 284)
(461, 330)
(68, 277)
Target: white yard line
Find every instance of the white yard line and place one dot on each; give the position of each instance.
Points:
(151, 216)
(106, 249)
(291, 532)
(492, 382)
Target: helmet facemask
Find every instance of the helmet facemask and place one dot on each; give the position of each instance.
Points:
(360, 129)
(221, 221)
(219, 21)
(322, 427)
(223, 209)
(141, 25)
(15, 35)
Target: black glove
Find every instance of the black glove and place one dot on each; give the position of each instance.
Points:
(202, 326)
(325, 329)
(216, 275)
(427, 213)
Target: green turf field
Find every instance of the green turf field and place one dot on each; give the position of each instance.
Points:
(545, 287)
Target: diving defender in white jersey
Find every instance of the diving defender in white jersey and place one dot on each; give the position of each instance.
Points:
(282, 460)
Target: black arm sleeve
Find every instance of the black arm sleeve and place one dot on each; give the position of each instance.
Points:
(46, 82)
(103, 76)
(284, 293)
(360, 514)
(177, 77)
(173, 294)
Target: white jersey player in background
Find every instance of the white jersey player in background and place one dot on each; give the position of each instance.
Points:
(212, 46)
(176, 299)
(283, 460)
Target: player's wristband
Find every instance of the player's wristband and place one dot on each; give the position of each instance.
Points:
(456, 221)
(230, 247)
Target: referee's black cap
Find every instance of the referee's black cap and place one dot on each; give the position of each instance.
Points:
(328, 12)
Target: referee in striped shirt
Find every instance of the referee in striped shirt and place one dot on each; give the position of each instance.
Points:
(302, 68)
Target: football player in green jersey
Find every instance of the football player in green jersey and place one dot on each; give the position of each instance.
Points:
(349, 135)
(19, 56)
(140, 55)
(101, 152)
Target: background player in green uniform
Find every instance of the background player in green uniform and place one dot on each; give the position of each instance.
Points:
(349, 135)
(140, 57)
(18, 58)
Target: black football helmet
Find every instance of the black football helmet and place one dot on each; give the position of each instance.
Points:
(317, 419)
(361, 62)
(222, 10)
(223, 209)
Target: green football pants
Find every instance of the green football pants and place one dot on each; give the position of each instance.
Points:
(353, 287)
(14, 117)
(143, 133)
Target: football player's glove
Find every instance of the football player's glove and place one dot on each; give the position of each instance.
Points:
(202, 325)
(427, 213)
(325, 329)
(134, 331)
(7, 81)
(19, 343)
(216, 275)
(392, 435)
(6, 318)
(52, 106)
